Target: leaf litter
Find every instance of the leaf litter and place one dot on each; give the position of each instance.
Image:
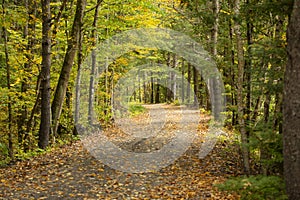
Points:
(70, 172)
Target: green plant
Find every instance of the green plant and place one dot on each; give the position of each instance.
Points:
(176, 102)
(136, 109)
(21, 155)
(4, 159)
(256, 187)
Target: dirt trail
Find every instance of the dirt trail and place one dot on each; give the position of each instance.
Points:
(70, 172)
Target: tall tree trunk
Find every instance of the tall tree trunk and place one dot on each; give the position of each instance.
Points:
(240, 82)
(232, 75)
(248, 69)
(45, 76)
(291, 107)
(9, 106)
(277, 121)
(29, 30)
(78, 82)
(93, 70)
(213, 83)
(63, 80)
(216, 10)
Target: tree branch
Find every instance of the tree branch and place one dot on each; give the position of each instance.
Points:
(93, 8)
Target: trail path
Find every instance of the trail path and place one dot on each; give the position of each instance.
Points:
(70, 172)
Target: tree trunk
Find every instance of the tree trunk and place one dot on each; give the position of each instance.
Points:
(182, 81)
(170, 79)
(173, 78)
(291, 107)
(93, 70)
(139, 84)
(195, 75)
(240, 96)
(248, 70)
(264, 153)
(157, 95)
(45, 76)
(144, 86)
(216, 10)
(277, 122)
(78, 82)
(213, 83)
(232, 75)
(152, 88)
(61, 88)
(188, 87)
(9, 106)
(29, 35)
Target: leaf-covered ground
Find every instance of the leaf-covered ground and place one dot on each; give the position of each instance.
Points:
(70, 172)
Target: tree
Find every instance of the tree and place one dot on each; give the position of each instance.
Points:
(93, 70)
(291, 107)
(24, 119)
(45, 76)
(240, 104)
(8, 80)
(63, 81)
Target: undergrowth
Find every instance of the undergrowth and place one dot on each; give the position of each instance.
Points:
(258, 187)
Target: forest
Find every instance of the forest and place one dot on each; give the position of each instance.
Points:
(111, 64)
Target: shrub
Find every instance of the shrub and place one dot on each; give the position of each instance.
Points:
(256, 187)
(136, 109)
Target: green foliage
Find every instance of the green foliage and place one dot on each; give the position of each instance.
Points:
(176, 102)
(104, 115)
(264, 138)
(256, 187)
(136, 109)
(22, 155)
(3, 154)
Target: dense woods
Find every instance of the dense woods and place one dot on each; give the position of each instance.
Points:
(255, 44)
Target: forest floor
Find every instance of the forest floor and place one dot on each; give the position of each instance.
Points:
(70, 172)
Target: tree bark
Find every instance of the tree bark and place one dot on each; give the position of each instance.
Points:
(291, 107)
(240, 82)
(213, 83)
(173, 78)
(93, 70)
(78, 82)
(45, 76)
(182, 81)
(9, 106)
(264, 153)
(232, 74)
(248, 69)
(196, 83)
(188, 87)
(29, 35)
(152, 88)
(216, 10)
(63, 81)
(157, 91)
